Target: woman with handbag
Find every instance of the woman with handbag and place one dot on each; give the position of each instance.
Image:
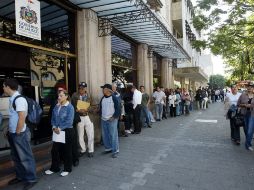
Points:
(246, 103)
(230, 105)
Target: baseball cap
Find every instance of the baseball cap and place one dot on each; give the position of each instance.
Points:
(109, 86)
(82, 84)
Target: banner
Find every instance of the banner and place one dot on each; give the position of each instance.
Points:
(28, 18)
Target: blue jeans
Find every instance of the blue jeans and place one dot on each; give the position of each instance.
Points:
(110, 135)
(249, 129)
(22, 156)
(177, 109)
(159, 111)
(145, 115)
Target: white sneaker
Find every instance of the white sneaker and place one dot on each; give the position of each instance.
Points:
(250, 148)
(48, 172)
(128, 131)
(63, 174)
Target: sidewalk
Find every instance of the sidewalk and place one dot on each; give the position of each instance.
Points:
(177, 153)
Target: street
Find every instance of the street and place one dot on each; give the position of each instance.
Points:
(188, 152)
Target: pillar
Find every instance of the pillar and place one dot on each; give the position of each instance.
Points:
(150, 66)
(94, 54)
(171, 77)
(165, 73)
(143, 67)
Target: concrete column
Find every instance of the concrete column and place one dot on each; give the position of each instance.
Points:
(165, 73)
(150, 66)
(171, 75)
(143, 73)
(94, 54)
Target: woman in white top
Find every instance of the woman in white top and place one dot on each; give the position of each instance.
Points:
(230, 101)
(172, 103)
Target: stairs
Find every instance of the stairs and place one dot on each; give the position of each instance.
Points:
(42, 158)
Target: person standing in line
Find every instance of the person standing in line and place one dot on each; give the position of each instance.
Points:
(145, 103)
(172, 103)
(128, 109)
(246, 103)
(187, 100)
(159, 97)
(85, 123)
(62, 120)
(19, 137)
(230, 105)
(177, 102)
(137, 99)
(110, 112)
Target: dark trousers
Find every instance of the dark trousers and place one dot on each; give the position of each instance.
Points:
(75, 146)
(128, 120)
(137, 119)
(235, 131)
(22, 156)
(164, 112)
(172, 111)
(64, 149)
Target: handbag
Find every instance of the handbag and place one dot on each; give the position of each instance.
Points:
(238, 119)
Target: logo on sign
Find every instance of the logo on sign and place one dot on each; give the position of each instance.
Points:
(28, 15)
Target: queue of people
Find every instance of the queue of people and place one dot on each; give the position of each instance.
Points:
(70, 121)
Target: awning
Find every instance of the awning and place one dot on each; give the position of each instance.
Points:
(135, 19)
(195, 73)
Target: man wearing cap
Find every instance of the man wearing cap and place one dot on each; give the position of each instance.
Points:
(110, 111)
(85, 122)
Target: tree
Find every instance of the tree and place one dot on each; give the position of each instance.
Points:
(230, 33)
(217, 81)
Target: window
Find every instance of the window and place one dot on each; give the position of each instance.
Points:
(34, 76)
(48, 76)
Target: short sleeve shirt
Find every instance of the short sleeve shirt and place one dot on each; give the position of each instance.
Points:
(159, 97)
(21, 105)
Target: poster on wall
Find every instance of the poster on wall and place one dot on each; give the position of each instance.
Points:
(28, 18)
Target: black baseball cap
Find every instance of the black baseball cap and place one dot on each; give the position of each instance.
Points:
(109, 86)
(82, 84)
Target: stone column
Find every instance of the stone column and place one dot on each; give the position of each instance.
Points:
(143, 75)
(165, 73)
(94, 54)
(171, 75)
(150, 66)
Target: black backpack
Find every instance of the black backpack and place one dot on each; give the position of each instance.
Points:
(34, 113)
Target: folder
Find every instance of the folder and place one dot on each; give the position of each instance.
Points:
(83, 105)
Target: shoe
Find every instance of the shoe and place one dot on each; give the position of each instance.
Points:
(49, 172)
(237, 142)
(158, 120)
(250, 148)
(63, 174)
(137, 132)
(76, 163)
(125, 135)
(14, 181)
(29, 185)
(114, 155)
(90, 155)
(149, 126)
(128, 131)
(81, 154)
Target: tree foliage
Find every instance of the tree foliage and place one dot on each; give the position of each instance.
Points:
(217, 81)
(230, 33)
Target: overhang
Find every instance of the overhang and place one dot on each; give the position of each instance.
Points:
(194, 73)
(135, 19)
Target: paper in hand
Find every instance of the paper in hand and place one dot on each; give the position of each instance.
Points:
(59, 137)
(83, 105)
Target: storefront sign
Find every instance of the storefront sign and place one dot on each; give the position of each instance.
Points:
(28, 18)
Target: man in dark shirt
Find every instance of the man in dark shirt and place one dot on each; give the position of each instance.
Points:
(144, 105)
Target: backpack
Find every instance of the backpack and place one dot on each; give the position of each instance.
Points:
(34, 112)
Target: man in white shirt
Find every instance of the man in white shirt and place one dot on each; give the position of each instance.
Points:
(160, 99)
(137, 98)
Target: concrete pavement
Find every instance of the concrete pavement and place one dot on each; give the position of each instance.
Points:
(185, 153)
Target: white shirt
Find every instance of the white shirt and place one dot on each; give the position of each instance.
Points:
(172, 99)
(137, 98)
(233, 98)
(159, 97)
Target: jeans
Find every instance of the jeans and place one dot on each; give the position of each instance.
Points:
(22, 156)
(145, 115)
(159, 111)
(177, 109)
(249, 122)
(110, 135)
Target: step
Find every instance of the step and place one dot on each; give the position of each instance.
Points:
(42, 157)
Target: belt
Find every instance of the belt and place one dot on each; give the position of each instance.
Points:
(84, 114)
